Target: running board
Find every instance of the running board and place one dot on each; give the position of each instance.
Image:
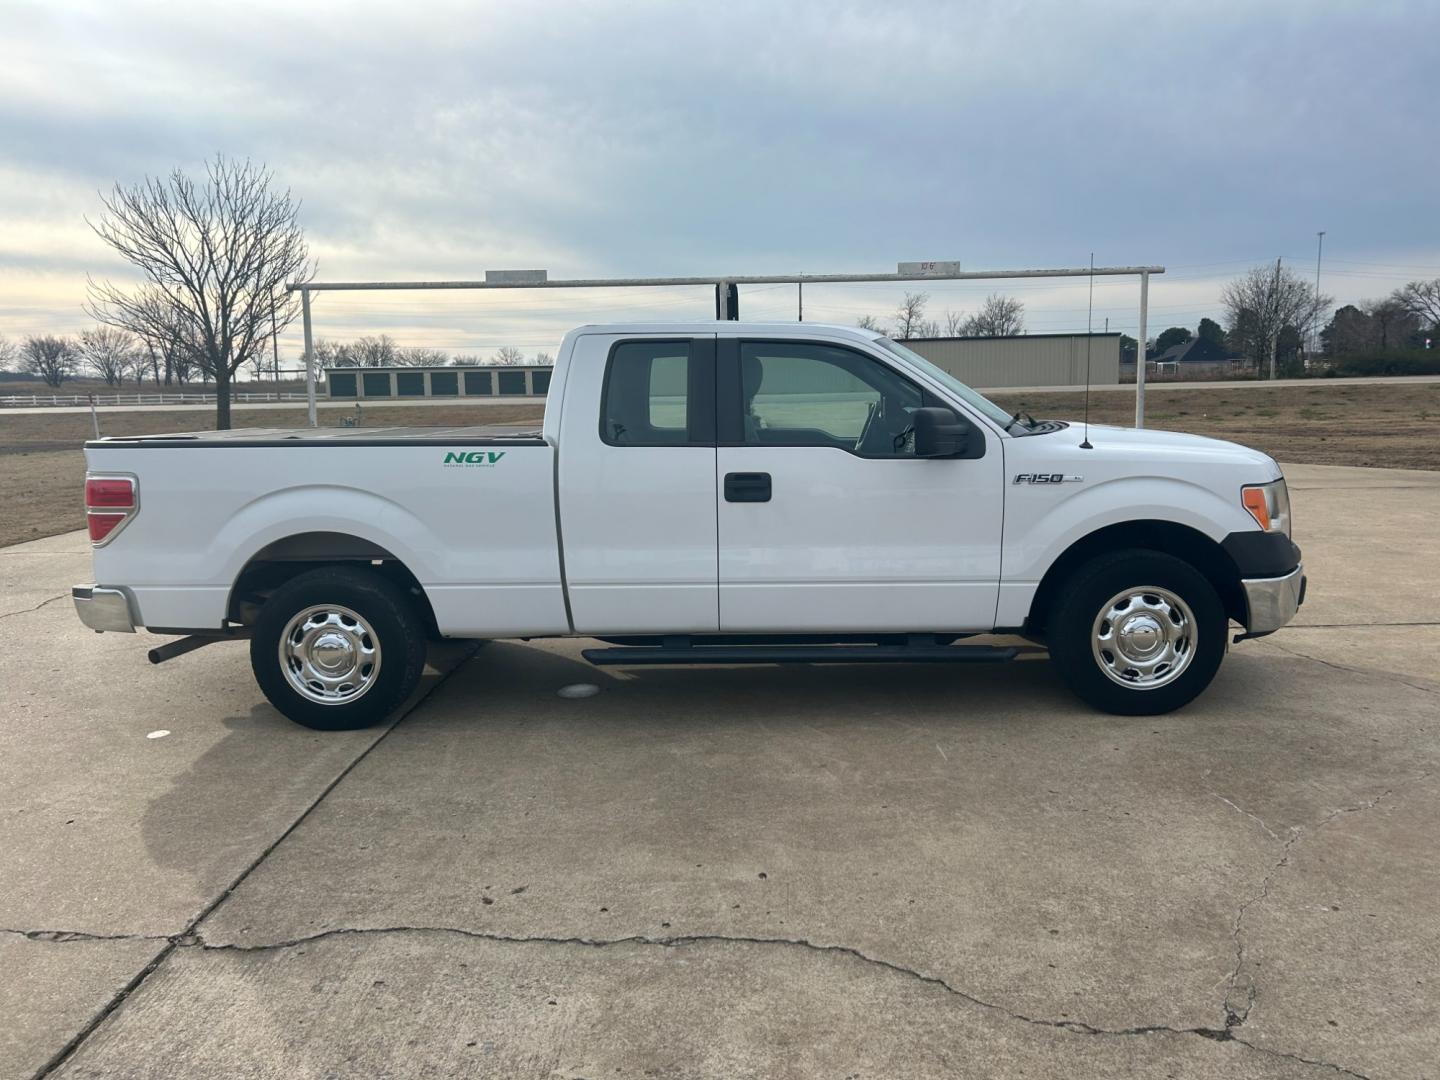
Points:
(636, 655)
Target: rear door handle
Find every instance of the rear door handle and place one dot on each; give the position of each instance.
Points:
(747, 487)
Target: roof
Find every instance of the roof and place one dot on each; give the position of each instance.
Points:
(1181, 353)
(730, 327)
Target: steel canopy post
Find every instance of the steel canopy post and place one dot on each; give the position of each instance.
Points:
(309, 360)
(1140, 350)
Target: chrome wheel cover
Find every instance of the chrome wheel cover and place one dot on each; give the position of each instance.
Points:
(330, 655)
(1144, 637)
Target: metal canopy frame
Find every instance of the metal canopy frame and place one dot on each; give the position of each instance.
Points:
(727, 305)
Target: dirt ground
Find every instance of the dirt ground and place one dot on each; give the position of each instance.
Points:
(1378, 425)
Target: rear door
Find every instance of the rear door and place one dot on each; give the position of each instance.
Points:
(636, 483)
(828, 522)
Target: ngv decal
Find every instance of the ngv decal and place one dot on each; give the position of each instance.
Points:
(471, 459)
(1047, 478)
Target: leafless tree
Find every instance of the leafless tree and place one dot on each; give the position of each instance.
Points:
(508, 356)
(219, 252)
(378, 351)
(999, 316)
(109, 353)
(420, 356)
(954, 323)
(168, 336)
(1421, 299)
(52, 358)
(910, 316)
(544, 359)
(870, 322)
(8, 353)
(1262, 303)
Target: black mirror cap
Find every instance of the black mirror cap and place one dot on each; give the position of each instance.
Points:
(939, 433)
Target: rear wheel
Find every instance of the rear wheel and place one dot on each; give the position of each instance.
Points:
(1138, 633)
(338, 648)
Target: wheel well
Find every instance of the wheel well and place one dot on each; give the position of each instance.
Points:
(1181, 541)
(281, 560)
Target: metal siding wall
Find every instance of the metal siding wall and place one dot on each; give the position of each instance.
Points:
(1024, 360)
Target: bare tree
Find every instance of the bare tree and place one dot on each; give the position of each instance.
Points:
(1421, 299)
(910, 316)
(1262, 303)
(109, 353)
(999, 316)
(954, 323)
(508, 356)
(870, 322)
(544, 359)
(219, 252)
(376, 351)
(54, 359)
(8, 353)
(1395, 324)
(420, 356)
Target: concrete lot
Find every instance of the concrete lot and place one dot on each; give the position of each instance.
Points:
(737, 872)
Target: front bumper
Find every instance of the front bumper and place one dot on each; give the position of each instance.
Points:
(103, 609)
(1272, 602)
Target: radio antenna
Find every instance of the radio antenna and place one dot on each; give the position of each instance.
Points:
(1089, 326)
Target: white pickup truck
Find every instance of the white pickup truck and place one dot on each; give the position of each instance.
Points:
(705, 493)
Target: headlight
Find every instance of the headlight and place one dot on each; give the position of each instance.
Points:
(1269, 505)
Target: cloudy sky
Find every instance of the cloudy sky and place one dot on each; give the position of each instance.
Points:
(432, 139)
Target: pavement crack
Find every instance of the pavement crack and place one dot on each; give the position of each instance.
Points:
(37, 607)
(1237, 1012)
(1241, 810)
(1074, 1027)
(64, 936)
(1270, 640)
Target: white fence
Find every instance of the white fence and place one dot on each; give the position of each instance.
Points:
(28, 400)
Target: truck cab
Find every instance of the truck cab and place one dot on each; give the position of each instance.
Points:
(700, 493)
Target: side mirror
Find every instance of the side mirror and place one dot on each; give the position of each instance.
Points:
(939, 433)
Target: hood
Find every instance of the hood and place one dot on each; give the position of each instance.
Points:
(1164, 445)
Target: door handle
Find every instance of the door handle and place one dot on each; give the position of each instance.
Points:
(747, 487)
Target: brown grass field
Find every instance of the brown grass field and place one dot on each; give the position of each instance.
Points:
(1389, 425)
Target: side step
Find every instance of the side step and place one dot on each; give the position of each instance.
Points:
(637, 655)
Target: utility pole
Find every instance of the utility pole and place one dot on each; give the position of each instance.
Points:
(1273, 310)
(1319, 247)
(800, 301)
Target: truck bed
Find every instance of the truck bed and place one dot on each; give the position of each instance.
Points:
(473, 435)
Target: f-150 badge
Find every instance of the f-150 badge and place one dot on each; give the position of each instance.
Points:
(1047, 478)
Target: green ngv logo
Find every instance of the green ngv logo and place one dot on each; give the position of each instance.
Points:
(472, 459)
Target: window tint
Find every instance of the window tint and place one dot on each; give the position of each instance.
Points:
(477, 382)
(376, 383)
(796, 394)
(646, 397)
(342, 384)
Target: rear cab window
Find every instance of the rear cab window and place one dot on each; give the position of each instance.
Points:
(659, 393)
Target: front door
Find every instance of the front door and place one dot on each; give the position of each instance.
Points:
(827, 520)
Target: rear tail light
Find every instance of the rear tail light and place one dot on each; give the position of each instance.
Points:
(110, 501)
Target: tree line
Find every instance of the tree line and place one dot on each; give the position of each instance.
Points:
(998, 316)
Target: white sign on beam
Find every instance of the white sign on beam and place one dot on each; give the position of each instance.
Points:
(515, 277)
(938, 269)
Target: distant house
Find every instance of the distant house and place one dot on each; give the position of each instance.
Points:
(1196, 358)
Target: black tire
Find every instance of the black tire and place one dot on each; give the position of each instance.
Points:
(389, 621)
(1071, 630)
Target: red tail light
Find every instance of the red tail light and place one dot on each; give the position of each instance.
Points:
(110, 501)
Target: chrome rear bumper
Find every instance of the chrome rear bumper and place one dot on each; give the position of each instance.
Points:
(1273, 601)
(103, 609)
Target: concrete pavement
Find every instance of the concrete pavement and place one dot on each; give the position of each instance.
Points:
(738, 872)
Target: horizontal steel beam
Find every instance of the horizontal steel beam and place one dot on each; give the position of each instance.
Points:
(737, 279)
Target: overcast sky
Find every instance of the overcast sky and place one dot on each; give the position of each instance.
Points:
(604, 139)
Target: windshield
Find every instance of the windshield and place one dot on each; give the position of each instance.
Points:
(950, 382)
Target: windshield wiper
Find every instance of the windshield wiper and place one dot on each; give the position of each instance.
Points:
(1016, 419)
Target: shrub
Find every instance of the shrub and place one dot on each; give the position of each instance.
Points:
(1387, 362)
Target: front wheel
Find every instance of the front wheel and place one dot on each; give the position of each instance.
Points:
(337, 648)
(1138, 633)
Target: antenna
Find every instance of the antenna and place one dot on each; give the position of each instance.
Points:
(1089, 324)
